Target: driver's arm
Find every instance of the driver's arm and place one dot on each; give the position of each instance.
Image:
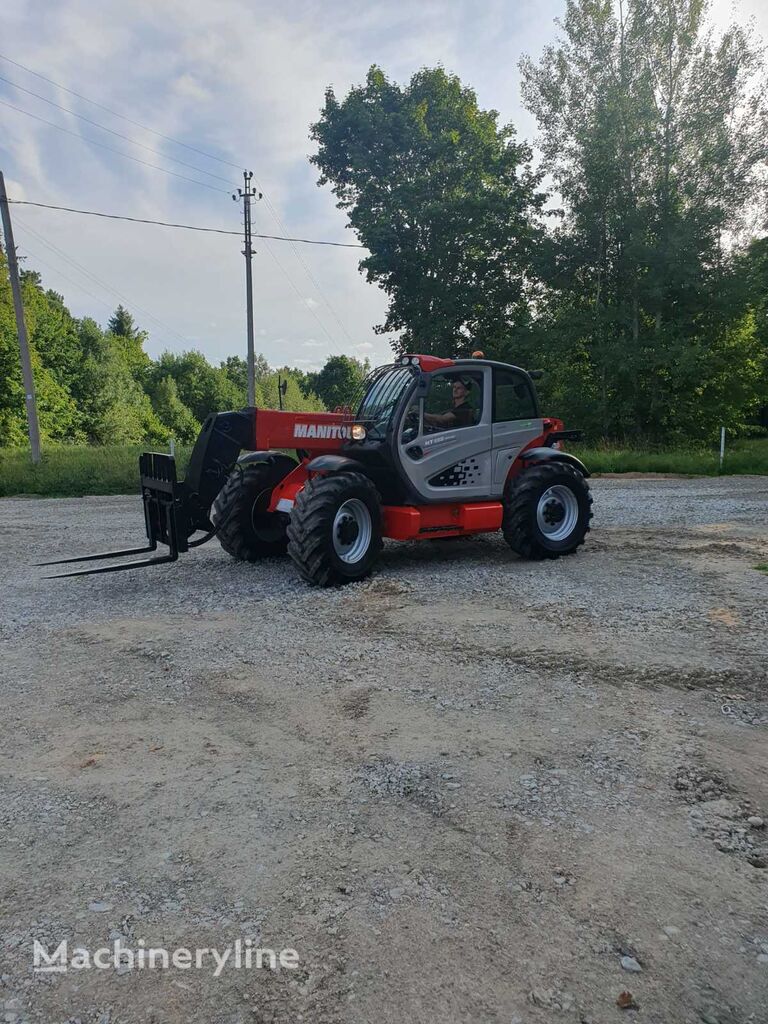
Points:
(440, 419)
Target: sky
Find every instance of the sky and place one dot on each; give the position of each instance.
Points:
(241, 81)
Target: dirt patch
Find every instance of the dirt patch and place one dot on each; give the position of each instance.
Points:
(468, 789)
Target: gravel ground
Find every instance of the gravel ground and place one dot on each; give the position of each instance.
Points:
(468, 789)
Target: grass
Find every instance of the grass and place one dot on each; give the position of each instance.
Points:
(762, 567)
(76, 471)
(749, 456)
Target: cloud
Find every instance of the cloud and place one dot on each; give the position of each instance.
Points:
(241, 81)
(186, 85)
(310, 363)
(15, 188)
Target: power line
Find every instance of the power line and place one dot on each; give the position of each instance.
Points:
(309, 273)
(108, 305)
(185, 227)
(76, 284)
(302, 298)
(218, 231)
(100, 283)
(194, 149)
(102, 127)
(115, 113)
(111, 149)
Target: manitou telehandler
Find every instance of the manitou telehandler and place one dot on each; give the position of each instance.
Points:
(435, 448)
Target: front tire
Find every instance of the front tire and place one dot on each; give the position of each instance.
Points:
(547, 510)
(246, 530)
(334, 535)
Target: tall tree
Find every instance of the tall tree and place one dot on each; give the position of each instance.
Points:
(129, 342)
(655, 134)
(339, 381)
(122, 324)
(443, 198)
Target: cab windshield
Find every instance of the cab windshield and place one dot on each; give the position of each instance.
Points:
(385, 388)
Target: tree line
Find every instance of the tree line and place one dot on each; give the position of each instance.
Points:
(629, 261)
(98, 385)
(626, 257)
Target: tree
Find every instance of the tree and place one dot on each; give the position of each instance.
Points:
(236, 369)
(52, 329)
(57, 412)
(113, 407)
(654, 133)
(295, 398)
(201, 387)
(122, 325)
(442, 197)
(129, 342)
(752, 269)
(172, 412)
(339, 382)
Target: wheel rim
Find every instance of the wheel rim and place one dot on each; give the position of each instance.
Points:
(557, 512)
(266, 525)
(352, 530)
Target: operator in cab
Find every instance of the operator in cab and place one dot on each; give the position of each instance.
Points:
(461, 413)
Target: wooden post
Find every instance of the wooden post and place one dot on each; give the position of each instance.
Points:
(21, 327)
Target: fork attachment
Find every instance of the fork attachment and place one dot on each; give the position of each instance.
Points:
(174, 509)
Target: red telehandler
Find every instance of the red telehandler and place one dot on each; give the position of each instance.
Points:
(435, 448)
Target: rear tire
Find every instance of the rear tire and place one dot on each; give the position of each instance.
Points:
(334, 535)
(248, 532)
(547, 510)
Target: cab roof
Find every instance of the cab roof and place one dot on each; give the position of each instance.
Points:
(431, 363)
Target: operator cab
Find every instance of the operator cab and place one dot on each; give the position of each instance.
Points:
(436, 430)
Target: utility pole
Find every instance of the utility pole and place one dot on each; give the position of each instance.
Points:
(247, 195)
(21, 327)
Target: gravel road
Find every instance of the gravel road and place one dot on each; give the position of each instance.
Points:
(470, 789)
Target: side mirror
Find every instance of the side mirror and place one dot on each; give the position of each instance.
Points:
(535, 374)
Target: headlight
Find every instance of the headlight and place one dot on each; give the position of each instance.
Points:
(358, 432)
(414, 360)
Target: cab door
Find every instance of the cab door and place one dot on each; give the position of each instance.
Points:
(516, 421)
(449, 461)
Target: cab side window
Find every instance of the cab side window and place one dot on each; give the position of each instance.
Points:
(455, 400)
(512, 397)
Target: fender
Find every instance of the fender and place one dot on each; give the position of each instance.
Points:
(334, 464)
(284, 495)
(267, 456)
(553, 455)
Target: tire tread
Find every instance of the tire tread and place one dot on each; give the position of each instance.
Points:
(518, 500)
(307, 538)
(232, 504)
